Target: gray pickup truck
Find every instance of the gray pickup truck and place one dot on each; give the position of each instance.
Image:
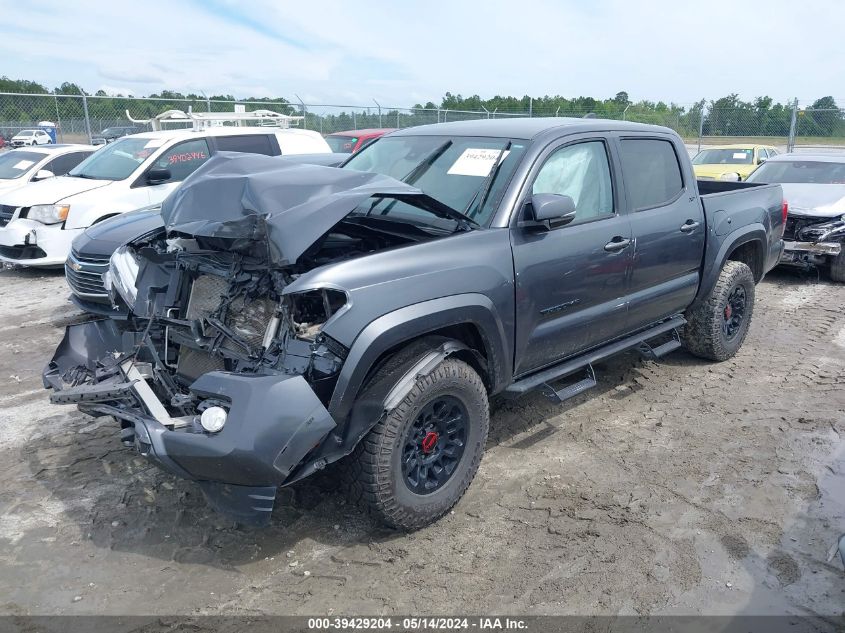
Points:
(287, 316)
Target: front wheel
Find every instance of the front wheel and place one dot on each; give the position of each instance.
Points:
(420, 458)
(717, 327)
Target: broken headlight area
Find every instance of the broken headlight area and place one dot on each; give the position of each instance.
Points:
(831, 230)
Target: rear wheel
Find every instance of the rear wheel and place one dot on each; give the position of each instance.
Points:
(837, 267)
(420, 458)
(717, 327)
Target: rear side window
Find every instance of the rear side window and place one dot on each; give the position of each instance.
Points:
(652, 173)
(63, 164)
(249, 144)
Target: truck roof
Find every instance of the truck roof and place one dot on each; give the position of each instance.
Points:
(526, 128)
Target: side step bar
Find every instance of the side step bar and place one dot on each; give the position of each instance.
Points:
(585, 361)
(570, 391)
(654, 353)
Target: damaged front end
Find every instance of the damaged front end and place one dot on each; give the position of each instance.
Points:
(222, 374)
(811, 241)
(218, 336)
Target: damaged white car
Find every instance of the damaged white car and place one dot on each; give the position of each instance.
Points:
(814, 185)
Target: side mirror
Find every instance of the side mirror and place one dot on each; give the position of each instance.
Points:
(42, 174)
(550, 210)
(158, 175)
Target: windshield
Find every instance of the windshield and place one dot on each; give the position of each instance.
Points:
(342, 144)
(16, 164)
(800, 171)
(26, 133)
(117, 160)
(460, 172)
(729, 156)
(112, 131)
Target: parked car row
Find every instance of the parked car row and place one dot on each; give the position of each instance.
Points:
(39, 221)
(276, 317)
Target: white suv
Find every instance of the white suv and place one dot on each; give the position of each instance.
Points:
(30, 137)
(133, 172)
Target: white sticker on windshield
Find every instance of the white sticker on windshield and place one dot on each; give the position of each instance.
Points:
(740, 155)
(23, 164)
(476, 162)
(156, 142)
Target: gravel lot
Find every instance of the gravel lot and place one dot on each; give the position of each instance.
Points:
(678, 487)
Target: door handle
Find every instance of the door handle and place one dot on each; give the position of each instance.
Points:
(689, 226)
(617, 244)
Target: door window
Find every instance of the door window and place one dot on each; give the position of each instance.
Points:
(652, 172)
(581, 172)
(183, 159)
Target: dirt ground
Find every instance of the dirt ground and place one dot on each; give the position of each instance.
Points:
(674, 487)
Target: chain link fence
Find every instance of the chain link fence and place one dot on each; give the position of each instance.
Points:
(78, 118)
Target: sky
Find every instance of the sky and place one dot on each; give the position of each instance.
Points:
(400, 53)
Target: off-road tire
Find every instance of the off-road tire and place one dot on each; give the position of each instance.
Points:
(704, 335)
(837, 267)
(374, 472)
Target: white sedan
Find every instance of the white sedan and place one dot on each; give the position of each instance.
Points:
(30, 137)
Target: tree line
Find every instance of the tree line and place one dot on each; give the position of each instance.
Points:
(727, 116)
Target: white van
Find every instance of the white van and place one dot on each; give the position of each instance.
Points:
(133, 172)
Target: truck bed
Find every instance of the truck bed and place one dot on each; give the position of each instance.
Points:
(736, 213)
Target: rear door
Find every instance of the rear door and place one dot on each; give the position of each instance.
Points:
(571, 281)
(667, 222)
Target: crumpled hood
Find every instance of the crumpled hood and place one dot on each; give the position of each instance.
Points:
(815, 200)
(262, 198)
(50, 191)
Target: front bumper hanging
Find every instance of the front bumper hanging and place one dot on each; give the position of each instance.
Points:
(273, 423)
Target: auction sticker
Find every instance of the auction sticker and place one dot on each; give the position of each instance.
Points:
(23, 164)
(476, 162)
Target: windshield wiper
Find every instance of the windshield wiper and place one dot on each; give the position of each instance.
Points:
(84, 176)
(440, 209)
(488, 182)
(417, 172)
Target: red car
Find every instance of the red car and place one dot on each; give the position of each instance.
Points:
(351, 141)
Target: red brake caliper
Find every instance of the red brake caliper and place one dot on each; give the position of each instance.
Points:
(429, 442)
(728, 311)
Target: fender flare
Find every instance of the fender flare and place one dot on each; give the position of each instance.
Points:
(713, 265)
(412, 322)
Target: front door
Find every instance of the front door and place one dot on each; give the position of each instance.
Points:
(571, 281)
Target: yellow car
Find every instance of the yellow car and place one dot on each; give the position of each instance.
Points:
(730, 162)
